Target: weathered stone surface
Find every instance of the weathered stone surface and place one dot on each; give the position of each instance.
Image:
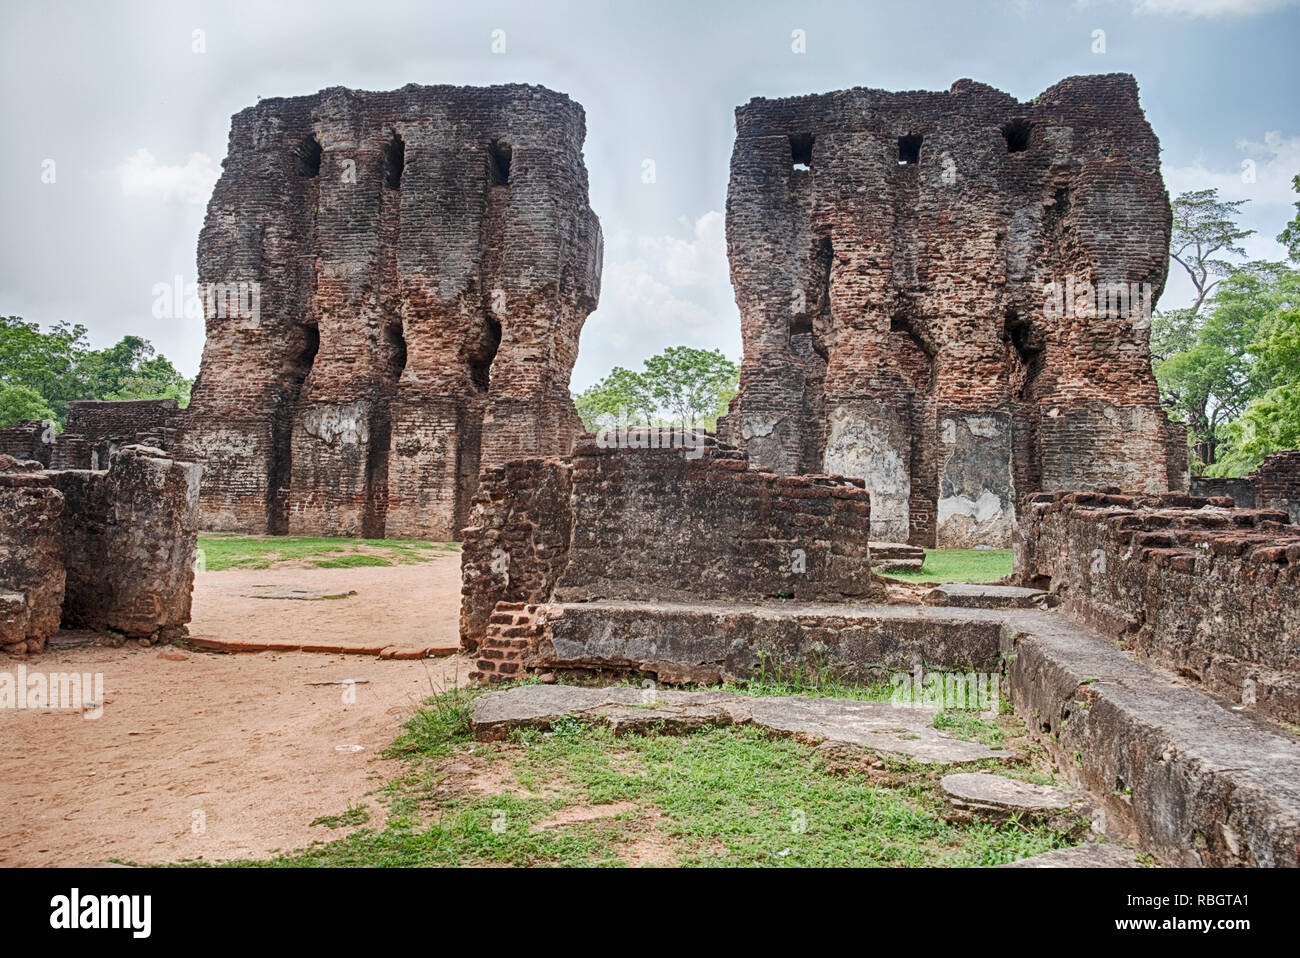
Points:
(1177, 773)
(971, 596)
(424, 261)
(854, 643)
(1207, 590)
(996, 798)
(876, 726)
(31, 556)
(1274, 485)
(899, 260)
(1095, 855)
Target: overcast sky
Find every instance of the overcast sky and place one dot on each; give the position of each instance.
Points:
(136, 121)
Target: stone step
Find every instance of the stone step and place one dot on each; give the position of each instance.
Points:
(967, 595)
(1188, 778)
(704, 643)
(996, 798)
(906, 732)
(896, 557)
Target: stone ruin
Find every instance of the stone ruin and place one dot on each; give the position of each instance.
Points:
(95, 429)
(1275, 484)
(394, 286)
(108, 549)
(949, 294)
(905, 377)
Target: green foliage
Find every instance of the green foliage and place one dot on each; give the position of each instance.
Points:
(1290, 235)
(22, 402)
(1223, 364)
(60, 367)
(46, 363)
(680, 385)
(1234, 379)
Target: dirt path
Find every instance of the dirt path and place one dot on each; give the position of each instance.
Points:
(404, 605)
(209, 756)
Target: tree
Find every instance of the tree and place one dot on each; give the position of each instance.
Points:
(681, 385)
(59, 366)
(688, 382)
(622, 393)
(22, 402)
(1204, 228)
(46, 363)
(1290, 235)
(1271, 420)
(1214, 374)
(131, 370)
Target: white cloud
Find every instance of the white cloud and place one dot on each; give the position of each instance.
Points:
(1208, 9)
(141, 175)
(1275, 159)
(672, 291)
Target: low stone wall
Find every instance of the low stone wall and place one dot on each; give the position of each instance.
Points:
(1277, 483)
(1200, 587)
(95, 429)
(704, 643)
(658, 524)
(97, 549)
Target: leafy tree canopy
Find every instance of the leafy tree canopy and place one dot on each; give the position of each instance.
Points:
(680, 385)
(58, 366)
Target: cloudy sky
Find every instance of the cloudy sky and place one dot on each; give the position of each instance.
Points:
(135, 119)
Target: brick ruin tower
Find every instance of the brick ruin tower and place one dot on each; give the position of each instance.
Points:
(394, 288)
(917, 276)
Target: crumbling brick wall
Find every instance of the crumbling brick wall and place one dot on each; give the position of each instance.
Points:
(424, 260)
(96, 428)
(1277, 483)
(913, 271)
(1197, 585)
(517, 540)
(662, 524)
(28, 440)
(657, 524)
(94, 549)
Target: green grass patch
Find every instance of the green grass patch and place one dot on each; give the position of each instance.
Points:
(960, 565)
(972, 728)
(576, 795)
(355, 815)
(220, 552)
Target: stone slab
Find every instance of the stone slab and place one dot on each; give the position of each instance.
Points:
(890, 730)
(966, 595)
(305, 595)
